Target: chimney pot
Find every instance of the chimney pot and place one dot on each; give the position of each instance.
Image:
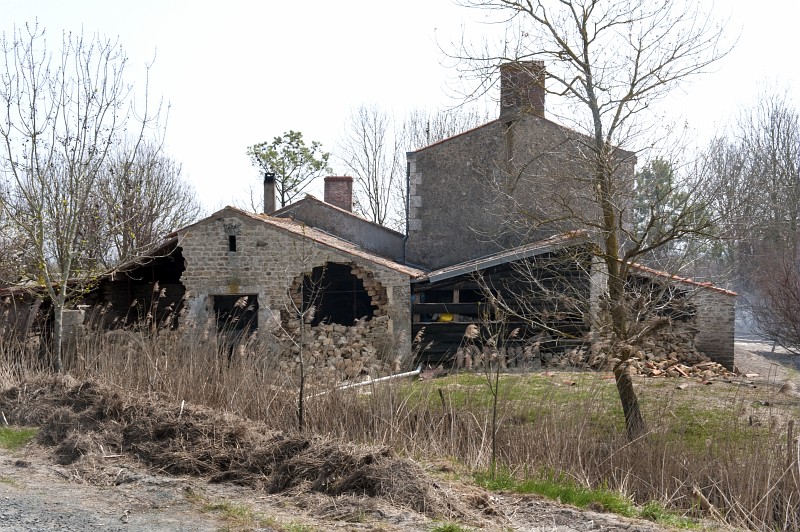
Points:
(339, 191)
(522, 88)
(269, 192)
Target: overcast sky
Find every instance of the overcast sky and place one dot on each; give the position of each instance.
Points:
(236, 73)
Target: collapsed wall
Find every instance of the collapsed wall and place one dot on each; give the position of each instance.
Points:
(334, 353)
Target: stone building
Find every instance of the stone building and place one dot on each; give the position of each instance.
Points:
(251, 273)
(513, 181)
(233, 254)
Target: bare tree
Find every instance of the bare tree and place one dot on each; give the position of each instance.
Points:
(371, 150)
(62, 115)
(610, 61)
(775, 303)
(141, 196)
(423, 127)
(756, 165)
(374, 146)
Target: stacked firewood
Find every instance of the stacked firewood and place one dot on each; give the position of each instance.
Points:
(332, 352)
(668, 353)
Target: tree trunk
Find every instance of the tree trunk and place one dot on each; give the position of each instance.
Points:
(58, 336)
(634, 422)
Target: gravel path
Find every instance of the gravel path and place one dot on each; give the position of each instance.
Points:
(770, 364)
(36, 495)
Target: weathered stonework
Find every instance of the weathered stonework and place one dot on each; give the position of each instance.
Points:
(487, 190)
(269, 257)
(715, 324)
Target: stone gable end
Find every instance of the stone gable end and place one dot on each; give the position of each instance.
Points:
(266, 262)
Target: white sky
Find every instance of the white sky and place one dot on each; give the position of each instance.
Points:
(240, 72)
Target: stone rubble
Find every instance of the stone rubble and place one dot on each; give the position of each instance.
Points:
(336, 353)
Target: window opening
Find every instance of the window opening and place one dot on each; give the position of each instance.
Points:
(237, 315)
(232, 243)
(336, 294)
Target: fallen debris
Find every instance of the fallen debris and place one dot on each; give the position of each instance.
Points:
(86, 422)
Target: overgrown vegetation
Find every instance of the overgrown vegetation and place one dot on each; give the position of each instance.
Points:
(719, 450)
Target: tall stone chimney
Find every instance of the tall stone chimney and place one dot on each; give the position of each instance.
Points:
(269, 192)
(339, 191)
(522, 88)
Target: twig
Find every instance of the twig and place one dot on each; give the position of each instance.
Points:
(705, 504)
(5, 421)
(183, 402)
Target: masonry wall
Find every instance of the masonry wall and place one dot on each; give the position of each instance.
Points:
(715, 324)
(265, 263)
(487, 189)
(370, 236)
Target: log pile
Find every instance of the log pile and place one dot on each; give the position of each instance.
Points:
(668, 353)
(335, 353)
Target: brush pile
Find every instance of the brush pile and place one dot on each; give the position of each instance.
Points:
(87, 423)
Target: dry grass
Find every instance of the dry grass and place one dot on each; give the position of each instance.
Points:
(721, 450)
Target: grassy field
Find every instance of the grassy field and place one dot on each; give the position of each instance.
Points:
(726, 450)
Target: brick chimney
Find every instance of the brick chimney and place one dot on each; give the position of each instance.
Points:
(522, 88)
(269, 192)
(339, 191)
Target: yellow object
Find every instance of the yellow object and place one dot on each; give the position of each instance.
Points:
(446, 316)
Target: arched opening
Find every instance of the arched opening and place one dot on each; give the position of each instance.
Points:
(336, 294)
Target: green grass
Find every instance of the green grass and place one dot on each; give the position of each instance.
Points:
(653, 511)
(700, 414)
(534, 391)
(231, 511)
(238, 516)
(562, 490)
(449, 527)
(14, 438)
(599, 499)
(8, 480)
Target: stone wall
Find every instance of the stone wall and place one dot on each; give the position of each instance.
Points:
(467, 193)
(714, 324)
(335, 353)
(266, 262)
(369, 235)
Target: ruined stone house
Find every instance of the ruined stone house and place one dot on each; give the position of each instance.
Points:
(503, 207)
(465, 245)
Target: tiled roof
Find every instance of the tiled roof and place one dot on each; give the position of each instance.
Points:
(547, 245)
(309, 198)
(527, 250)
(302, 230)
(684, 280)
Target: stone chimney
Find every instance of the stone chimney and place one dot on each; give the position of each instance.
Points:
(269, 192)
(339, 191)
(522, 88)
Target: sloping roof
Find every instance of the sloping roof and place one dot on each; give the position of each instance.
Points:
(309, 198)
(299, 229)
(159, 249)
(554, 243)
(566, 130)
(532, 249)
(684, 280)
